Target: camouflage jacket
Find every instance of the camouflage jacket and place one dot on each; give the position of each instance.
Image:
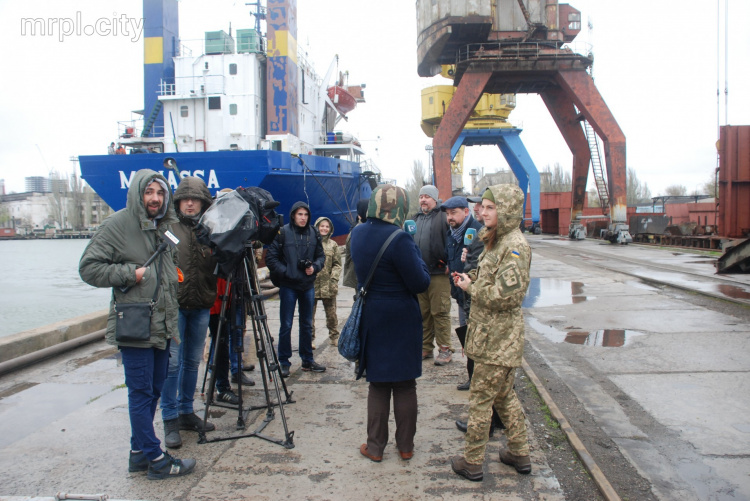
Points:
(495, 333)
(327, 280)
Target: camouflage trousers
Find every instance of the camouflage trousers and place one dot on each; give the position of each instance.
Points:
(332, 321)
(493, 385)
(435, 304)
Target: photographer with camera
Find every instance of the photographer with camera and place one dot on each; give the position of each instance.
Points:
(294, 259)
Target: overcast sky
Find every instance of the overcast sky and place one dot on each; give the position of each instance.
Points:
(655, 66)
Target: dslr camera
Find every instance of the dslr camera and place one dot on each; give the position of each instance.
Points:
(303, 264)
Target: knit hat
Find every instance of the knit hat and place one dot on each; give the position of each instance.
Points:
(489, 195)
(431, 191)
(389, 203)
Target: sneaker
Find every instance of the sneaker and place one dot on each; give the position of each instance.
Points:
(137, 462)
(172, 437)
(246, 381)
(467, 470)
(228, 397)
(444, 356)
(194, 423)
(169, 466)
(312, 366)
(426, 354)
(313, 345)
(284, 371)
(464, 386)
(522, 464)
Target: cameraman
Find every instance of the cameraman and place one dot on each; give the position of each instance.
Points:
(195, 295)
(295, 257)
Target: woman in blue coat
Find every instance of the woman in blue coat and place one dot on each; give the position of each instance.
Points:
(391, 323)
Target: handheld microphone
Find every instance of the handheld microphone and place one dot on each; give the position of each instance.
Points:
(410, 227)
(469, 236)
(170, 241)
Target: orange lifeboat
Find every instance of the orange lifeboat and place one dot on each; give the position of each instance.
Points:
(342, 99)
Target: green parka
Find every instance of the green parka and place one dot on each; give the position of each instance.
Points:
(124, 242)
(495, 333)
(327, 280)
(197, 262)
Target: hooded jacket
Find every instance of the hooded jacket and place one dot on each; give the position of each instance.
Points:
(197, 262)
(292, 245)
(327, 280)
(124, 242)
(495, 333)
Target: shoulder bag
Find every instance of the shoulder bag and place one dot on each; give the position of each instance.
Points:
(133, 320)
(349, 341)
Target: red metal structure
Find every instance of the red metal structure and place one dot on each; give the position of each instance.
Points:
(517, 46)
(734, 181)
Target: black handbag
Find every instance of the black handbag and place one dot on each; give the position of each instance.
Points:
(133, 320)
(349, 341)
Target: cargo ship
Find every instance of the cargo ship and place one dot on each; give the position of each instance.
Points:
(240, 109)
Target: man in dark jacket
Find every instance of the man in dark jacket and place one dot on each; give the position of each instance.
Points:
(459, 220)
(114, 258)
(196, 295)
(295, 257)
(435, 303)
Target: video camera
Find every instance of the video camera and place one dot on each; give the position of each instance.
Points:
(236, 219)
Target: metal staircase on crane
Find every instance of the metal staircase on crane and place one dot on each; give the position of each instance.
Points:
(596, 165)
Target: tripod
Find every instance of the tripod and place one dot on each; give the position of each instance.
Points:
(243, 290)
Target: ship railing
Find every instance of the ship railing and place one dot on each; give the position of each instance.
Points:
(128, 129)
(184, 51)
(522, 50)
(195, 86)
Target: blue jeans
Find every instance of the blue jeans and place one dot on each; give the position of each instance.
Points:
(184, 359)
(145, 372)
(289, 298)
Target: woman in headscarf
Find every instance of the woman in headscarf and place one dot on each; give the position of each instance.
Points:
(391, 324)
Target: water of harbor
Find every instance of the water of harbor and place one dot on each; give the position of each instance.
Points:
(40, 285)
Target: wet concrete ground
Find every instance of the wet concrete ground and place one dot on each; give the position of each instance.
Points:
(661, 373)
(64, 428)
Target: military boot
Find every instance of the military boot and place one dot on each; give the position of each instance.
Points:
(522, 464)
(172, 437)
(473, 472)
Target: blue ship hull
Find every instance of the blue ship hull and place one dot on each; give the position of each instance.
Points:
(330, 186)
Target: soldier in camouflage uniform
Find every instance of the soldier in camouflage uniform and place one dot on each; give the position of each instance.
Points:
(327, 280)
(496, 332)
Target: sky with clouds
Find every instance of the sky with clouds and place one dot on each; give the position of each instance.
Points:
(62, 94)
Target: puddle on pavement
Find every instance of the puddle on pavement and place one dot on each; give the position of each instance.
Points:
(606, 338)
(640, 285)
(553, 292)
(695, 283)
(17, 388)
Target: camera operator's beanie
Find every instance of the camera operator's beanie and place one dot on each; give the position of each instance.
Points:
(389, 203)
(431, 191)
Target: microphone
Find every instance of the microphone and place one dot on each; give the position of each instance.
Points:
(410, 227)
(469, 236)
(170, 241)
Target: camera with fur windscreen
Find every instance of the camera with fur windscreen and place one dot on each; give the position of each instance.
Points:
(234, 220)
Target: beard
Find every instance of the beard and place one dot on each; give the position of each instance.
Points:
(153, 210)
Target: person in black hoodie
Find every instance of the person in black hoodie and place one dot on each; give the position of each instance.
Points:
(295, 257)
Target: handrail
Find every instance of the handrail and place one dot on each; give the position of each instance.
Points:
(520, 50)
